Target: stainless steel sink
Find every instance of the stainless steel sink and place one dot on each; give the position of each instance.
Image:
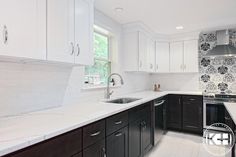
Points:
(122, 100)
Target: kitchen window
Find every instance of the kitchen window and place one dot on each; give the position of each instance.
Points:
(97, 74)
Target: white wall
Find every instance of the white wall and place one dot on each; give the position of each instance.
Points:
(189, 82)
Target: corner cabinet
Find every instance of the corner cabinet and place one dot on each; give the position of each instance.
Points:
(70, 31)
(184, 56)
(23, 29)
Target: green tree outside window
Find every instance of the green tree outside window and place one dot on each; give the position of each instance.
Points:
(98, 73)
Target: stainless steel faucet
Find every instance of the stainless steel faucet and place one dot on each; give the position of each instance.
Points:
(108, 93)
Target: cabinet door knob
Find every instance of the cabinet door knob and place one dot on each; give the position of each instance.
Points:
(5, 34)
(72, 48)
(78, 47)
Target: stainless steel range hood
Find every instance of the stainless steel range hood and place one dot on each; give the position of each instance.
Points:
(223, 46)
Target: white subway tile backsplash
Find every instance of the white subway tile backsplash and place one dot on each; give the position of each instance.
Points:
(31, 87)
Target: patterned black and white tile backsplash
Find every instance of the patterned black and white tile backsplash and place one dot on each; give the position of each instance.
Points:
(216, 74)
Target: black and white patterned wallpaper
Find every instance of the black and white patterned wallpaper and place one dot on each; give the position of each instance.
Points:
(216, 74)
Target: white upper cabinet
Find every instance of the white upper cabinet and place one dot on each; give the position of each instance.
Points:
(84, 32)
(143, 51)
(176, 57)
(151, 55)
(136, 51)
(23, 29)
(70, 31)
(191, 56)
(162, 57)
(184, 56)
(60, 30)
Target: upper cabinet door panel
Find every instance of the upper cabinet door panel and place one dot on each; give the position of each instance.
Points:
(176, 57)
(60, 30)
(191, 56)
(23, 28)
(143, 51)
(162, 57)
(84, 32)
(151, 55)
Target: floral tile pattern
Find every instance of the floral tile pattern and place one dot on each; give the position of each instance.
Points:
(216, 74)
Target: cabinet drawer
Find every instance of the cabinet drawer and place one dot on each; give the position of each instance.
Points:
(116, 122)
(64, 146)
(93, 133)
(192, 99)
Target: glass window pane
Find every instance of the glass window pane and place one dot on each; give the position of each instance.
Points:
(101, 46)
(98, 73)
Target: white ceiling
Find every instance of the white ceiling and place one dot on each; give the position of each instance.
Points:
(164, 15)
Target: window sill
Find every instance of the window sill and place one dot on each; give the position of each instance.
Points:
(97, 87)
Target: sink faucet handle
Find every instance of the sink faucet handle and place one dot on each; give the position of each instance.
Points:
(111, 92)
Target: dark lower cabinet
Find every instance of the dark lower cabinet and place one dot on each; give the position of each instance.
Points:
(95, 150)
(174, 112)
(192, 114)
(117, 144)
(140, 133)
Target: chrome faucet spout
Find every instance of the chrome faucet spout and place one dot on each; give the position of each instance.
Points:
(108, 93)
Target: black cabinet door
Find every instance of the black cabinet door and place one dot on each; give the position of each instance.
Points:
(192, 113)
(95, 150)
(174, 112)
(146, 142)
(117, 144)
(135, 138)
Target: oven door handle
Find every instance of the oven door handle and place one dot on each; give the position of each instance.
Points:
(159, 103)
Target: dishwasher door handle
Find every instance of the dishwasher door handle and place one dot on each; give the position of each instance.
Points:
(159, 103)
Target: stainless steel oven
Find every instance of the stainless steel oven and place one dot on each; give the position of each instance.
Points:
(214, 110)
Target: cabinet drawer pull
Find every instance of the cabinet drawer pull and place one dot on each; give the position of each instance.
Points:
(159, 103)
(227, 118)
(5, 34)
(73, 48)
(78, 50)
(118, 134)
(118, 122)
(192, 99)
(104, 152)
(95, 134)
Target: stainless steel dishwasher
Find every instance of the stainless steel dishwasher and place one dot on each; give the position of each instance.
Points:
(160, 118)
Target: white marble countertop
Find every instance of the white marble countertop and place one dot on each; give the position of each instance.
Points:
(25, 130)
